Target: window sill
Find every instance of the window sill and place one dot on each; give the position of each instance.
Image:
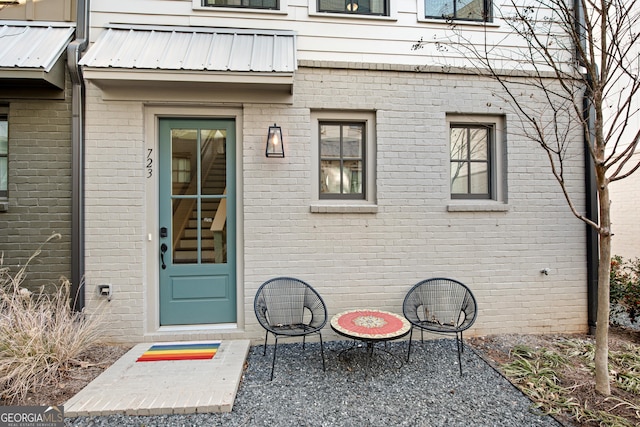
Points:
(478, 207)
(459, 22)
(239, 10)
(344, 208)
(352, 16)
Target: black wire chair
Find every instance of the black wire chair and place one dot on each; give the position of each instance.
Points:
(443, 306)
(289, 307)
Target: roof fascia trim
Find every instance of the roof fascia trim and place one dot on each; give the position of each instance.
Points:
(54, 76)
(186, 76)
(56, 24)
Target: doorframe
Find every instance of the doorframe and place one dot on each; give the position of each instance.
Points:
(151, 276)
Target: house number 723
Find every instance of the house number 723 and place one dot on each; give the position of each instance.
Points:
(149, 163)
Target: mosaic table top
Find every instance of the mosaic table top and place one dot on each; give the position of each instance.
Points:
(367, 324)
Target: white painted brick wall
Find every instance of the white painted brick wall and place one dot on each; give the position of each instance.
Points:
(357, 260)
(114, 212)
(625, 205)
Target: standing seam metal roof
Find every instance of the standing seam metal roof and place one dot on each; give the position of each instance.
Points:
(194, 49)
(33, 45)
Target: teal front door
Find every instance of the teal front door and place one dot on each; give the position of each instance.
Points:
(197, 221)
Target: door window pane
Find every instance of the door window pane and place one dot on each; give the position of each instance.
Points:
(214, 232)
(214, 161)
(184, 146)
(185, 233)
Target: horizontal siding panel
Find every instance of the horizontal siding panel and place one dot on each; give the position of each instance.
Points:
(321, 35)
(143, 7)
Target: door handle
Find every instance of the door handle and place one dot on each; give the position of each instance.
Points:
(163, 249)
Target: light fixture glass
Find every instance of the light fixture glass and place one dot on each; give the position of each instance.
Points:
(352, 5)
(275, 146)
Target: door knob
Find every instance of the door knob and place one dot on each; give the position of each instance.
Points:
(163, 249)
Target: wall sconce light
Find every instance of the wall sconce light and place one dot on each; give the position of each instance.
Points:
(275, 146)
(352, 5)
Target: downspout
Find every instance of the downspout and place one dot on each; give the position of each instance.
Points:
(592, 235)
(74, 51)
(591, 192)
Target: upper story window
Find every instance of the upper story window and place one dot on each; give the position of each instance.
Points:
(355, 7)
(469, 10)
(4, 154)
(249, 4)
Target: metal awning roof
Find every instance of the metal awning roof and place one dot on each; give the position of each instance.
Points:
(33, 51)
(191, 54)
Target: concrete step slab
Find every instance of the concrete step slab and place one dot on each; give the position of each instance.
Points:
(164, 387)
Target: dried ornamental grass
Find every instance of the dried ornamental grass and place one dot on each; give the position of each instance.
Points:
(40, 334)
(538, 373)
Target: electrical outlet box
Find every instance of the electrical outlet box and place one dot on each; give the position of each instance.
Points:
(105, 290)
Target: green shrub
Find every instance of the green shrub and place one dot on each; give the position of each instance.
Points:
(40, 334)
(625, 285)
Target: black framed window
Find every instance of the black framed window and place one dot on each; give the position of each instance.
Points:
(4, 155)
(248, 4)
(471, 161)
(469, 10)
(355, 7)
(342, 160)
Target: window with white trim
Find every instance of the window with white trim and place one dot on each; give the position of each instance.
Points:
(476, 154)
(343, 172)
(247, 4)
(464, 10)
(354, 7)
(4, 154)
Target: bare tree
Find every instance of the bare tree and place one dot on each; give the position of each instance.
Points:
(7, 3)
(583, 56)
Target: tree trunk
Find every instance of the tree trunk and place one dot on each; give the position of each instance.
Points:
(604, 266)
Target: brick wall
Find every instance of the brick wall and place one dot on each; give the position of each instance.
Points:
(115, 211)
(39, 188)
(625, 206)
(356, 259)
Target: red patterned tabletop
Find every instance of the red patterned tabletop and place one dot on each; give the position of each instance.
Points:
(374, 325)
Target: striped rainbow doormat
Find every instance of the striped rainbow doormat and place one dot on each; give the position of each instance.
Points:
(180, 351)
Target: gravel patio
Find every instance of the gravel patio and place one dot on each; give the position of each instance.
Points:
(427, 391)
